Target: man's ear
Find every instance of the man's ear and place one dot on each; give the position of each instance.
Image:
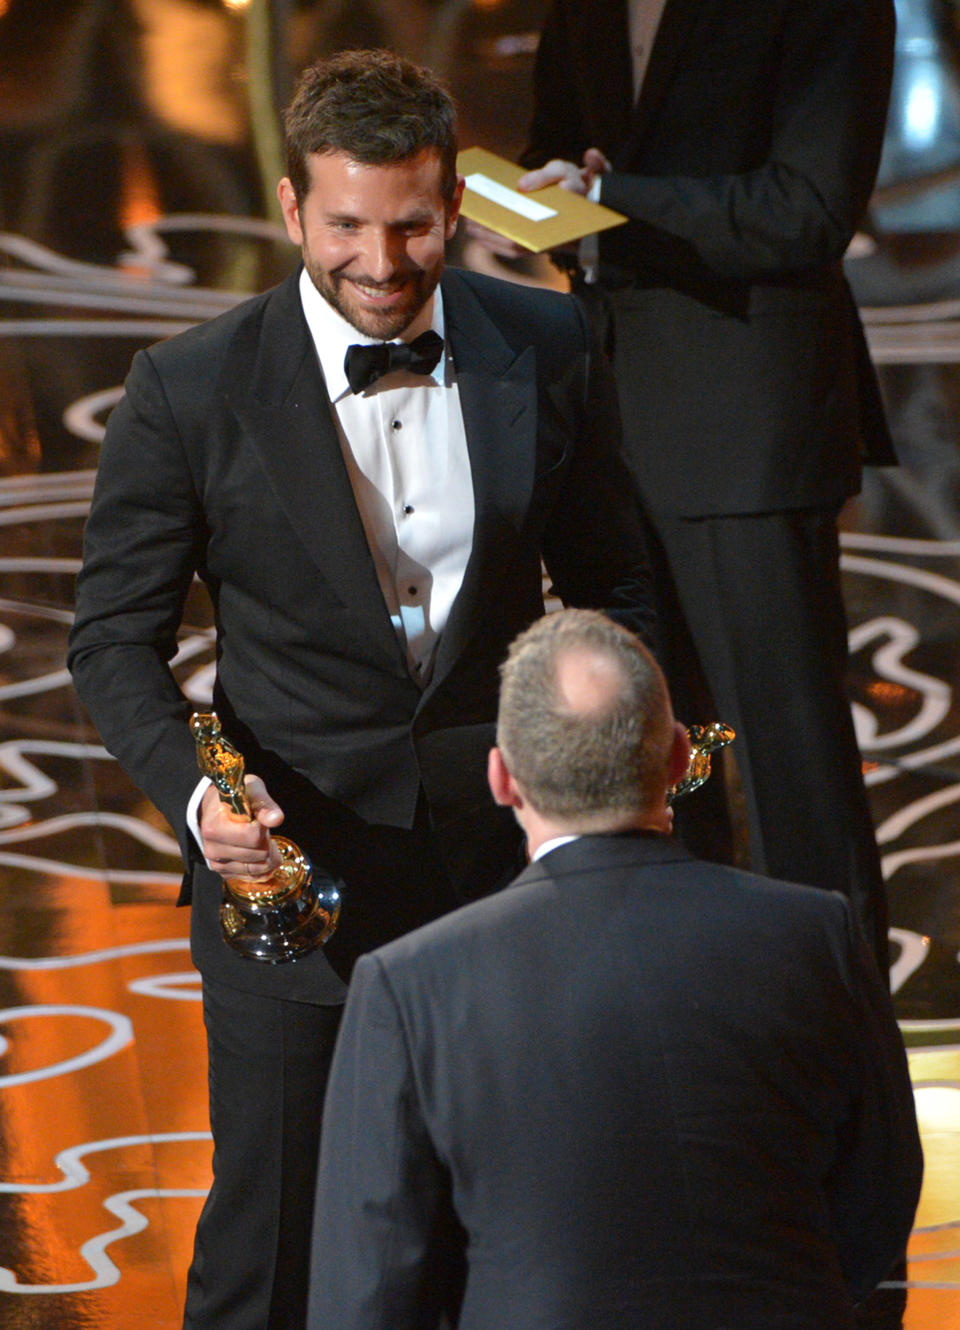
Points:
(290, 209)
(679, 754)
(502, 785)
(453, 208)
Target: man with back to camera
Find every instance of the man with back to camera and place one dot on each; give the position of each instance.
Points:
(371, 544)
(633, 1091)
(741, 139)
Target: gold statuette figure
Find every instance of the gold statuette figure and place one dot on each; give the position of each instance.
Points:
(704, 740)
(276, 918)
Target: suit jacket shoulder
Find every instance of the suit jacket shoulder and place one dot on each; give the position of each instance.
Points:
(250, 345)
(523, 316)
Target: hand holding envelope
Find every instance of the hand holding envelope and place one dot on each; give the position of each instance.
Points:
(578, 179)
(557, 216)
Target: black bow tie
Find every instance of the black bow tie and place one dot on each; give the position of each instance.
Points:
(363, 365)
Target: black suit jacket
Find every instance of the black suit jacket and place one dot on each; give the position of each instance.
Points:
(655, 1093)
(745, 168)
(222, 460)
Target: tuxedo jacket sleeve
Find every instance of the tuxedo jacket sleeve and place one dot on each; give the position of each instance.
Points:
(143, 545)
(753, 147)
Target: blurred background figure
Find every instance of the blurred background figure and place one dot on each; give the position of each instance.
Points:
(742, 144)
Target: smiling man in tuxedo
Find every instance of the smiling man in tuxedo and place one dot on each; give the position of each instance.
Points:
(366, 467)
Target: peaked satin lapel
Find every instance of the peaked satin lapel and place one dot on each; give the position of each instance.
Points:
(601, 32)
(280, 398)
(672, 34)
(498, 399)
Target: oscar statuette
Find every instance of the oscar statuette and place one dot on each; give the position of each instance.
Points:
(280, 917)
(704, 740)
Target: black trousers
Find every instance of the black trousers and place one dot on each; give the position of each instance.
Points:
(755, 634)
(268, 1067)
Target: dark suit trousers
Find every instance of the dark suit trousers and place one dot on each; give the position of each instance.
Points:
(268, 1066)
(755, 635)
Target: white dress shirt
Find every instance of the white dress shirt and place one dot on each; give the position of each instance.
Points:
(405, 450)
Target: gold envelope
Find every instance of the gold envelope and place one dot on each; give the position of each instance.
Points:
(542, 220)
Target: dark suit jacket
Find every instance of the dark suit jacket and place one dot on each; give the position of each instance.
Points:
(745, 168)
(656, 1093)
(223, 460)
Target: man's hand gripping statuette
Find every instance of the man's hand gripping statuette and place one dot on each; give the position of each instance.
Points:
(280, 917)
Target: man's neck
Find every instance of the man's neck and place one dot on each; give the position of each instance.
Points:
(540, 830)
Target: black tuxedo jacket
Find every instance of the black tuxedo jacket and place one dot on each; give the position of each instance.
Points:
(745, 168)
(222, 460)
(655, 1094)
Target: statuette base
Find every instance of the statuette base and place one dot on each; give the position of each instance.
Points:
(284, 916)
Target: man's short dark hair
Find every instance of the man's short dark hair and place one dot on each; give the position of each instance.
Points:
(584, 762)
(374, 106)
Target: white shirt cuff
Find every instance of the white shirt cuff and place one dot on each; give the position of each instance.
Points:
(589, 253)
(193, 813)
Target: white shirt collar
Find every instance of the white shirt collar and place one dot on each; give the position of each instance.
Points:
(549, 845)
(332, 334)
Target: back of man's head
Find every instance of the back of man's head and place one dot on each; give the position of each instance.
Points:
(375, 107)
(585, 725)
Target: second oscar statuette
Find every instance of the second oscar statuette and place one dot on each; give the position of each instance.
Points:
(704, 740)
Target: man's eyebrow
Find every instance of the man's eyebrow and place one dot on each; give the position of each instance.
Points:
(417, 217)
